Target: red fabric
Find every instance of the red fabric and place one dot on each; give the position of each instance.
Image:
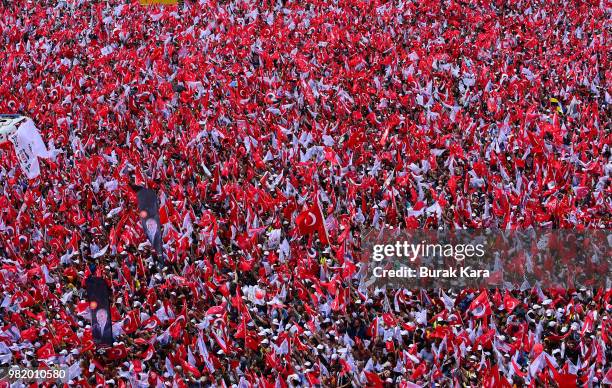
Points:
(311, 220)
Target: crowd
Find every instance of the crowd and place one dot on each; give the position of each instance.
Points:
(241, 114)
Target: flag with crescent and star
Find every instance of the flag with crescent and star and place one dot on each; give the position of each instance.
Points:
(312, 220)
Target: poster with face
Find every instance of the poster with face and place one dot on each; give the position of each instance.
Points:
(99, 297)
(149, 214)
(151, 228)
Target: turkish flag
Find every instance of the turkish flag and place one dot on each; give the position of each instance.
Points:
(481, 306)
(419, 371)
(252, 341)
(73, 243)
(485, 339)
(220, 341)
(241, 332)
(117, 352)
(311, 220)
(151, 323)
(176, 328)
(517, 370)
(216, 309)
(312, 378)
(163, 214)
(563, 380)
(588, 323)
(510, 302)
(30, 334)
(131, 322)
(246, 265)
(46, 351)
(374, 380)
(191, 369)
(147, 354)
(566, 380)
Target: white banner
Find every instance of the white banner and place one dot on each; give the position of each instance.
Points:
(29, 146)
(8, 126)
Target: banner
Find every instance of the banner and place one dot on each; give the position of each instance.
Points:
(149, 214)
(154, 2)
(28, 144)
(8, 126)
(99, 298)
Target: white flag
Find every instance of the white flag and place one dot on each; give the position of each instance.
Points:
(8, 126)
(29, 146)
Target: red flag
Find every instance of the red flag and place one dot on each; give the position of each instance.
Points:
(419, 371)
(163, 214)
(510, 302)
(481, 306)
(311, 220)
(496, 380)
(608, 378)
(588, 323)
(313, 379)
(566, 380)
(563, 380)
(131, 322)
(246, 265)
(517, 370)
(176, 328)
(241, 332)
(73, 243)
(191, 369)
(252, 341)
(46, 351)
(216, 309)
(151, 323)
(220, 341)
(374, 328)
(374, 380)
(30, 334)
(346, 368)
(117, 352)
(147, 354)
(485, 339)
(497, 299)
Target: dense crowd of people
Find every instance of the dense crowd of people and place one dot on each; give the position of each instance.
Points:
(241, 114)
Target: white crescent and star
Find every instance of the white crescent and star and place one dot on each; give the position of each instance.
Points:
(312, 219)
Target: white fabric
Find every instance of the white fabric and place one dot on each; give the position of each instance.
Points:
(29, 146)
(8, 126)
